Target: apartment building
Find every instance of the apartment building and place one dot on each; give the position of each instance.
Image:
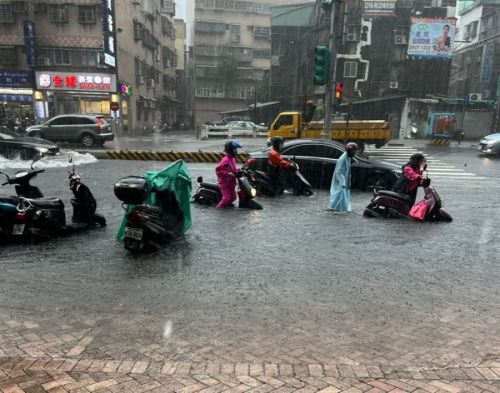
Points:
(79, 56)
(231, 55)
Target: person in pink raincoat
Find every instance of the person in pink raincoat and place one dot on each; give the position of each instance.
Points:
(226, 174)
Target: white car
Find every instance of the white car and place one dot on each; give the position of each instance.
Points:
(238, 128)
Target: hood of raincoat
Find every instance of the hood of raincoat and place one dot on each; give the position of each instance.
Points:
(174, 177)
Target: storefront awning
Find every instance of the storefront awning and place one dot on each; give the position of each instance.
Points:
(172, 99)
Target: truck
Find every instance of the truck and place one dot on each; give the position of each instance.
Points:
(292, 125)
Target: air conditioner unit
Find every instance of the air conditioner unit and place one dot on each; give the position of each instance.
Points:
(43, 60)
(140, 79)
(400, 40)
(393, 85)
(151, 83)
(40, 8)
(352, 37)
(475, 97)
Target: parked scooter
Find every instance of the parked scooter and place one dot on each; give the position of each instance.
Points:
(388, 204)
(149, 224)
(41, 218)
(209, 193)
(265, 186)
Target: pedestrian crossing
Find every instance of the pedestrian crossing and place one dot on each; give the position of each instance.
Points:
(437, 168)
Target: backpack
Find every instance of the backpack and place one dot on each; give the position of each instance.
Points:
(401, 185)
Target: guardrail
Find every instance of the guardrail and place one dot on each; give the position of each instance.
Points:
(147, 155)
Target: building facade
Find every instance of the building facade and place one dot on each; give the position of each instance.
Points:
(79, 56)
(231, 55)
(476, 63)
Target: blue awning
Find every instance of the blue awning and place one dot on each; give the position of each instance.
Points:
(16, 97)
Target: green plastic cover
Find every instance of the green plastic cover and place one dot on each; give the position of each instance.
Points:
(174, 177)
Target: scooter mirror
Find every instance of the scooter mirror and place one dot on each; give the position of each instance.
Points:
(425, 167)
(37, 157)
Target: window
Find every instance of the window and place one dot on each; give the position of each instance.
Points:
(88, 58)
(138, 31)
(235, 33)
(58, 13)
(205, 4)
(332, 152)
(353, 32)
(6, 13)
(473, 29)
(262, 53)
(62, 57)
(262, 32)
(60, 121)
(210, 27)
(8, 55)
(350, 69)
(86, 14)
(167, 28)
(284, 120)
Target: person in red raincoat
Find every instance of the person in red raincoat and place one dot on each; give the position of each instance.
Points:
(277, 164)
(226, 174)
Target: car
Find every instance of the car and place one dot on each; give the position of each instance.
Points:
(87, 130)
(490, 144)
(317, 159)
(237, 128)
(13, 144)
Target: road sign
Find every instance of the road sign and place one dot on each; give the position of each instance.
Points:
(114, 106)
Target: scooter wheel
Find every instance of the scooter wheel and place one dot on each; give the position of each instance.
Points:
(133, 246)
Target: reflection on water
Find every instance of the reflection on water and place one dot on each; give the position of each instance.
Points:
(59, 161)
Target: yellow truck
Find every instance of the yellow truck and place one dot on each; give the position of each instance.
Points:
(291, 125)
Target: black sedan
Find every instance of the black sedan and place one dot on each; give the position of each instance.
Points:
(13, 145)
(317, 159)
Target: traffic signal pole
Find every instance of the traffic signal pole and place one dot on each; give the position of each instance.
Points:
(326, 134)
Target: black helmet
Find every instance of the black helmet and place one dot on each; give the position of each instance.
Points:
(231, 147)
(351, 148)
(417, 157)
(277, 143)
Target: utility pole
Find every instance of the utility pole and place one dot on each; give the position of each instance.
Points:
(326, 134)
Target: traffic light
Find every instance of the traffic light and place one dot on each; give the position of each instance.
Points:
(339, 94)
(321, 65)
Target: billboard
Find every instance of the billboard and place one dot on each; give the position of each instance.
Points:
(76, 81)
(16, 78)
(373, 8)
(109, 34)
(431, 37)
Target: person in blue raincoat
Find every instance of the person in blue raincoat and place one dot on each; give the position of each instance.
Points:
(340, 189)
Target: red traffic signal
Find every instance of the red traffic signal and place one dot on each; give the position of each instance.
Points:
(339, 87)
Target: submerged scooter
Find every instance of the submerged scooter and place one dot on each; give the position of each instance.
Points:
(209, 193)
(265, 186)
(149, 225)
(37, 217)
(389, 204)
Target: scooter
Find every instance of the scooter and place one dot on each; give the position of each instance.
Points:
(264, 184)
(41, 218)
(209, 193)
(388, 204)
(146, 225)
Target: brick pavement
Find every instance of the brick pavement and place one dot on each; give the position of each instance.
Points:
(71, 358)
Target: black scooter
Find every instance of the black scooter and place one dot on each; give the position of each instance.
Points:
(41, 218)
(209, 193)
(148, 226)
(265, 186)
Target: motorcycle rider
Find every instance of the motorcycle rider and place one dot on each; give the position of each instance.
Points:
(276, 165)
(412, 177)
(226, 172)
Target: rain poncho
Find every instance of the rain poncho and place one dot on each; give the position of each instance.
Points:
(340, 189)
(174, 177)
(226, 181)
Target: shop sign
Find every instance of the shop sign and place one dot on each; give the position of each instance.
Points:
(29, 43)
(487, 64)
(109, 35)
(16, 79)
(125, 90)
(75, 81)
(431, 37)
(374, 8)
(16, 97)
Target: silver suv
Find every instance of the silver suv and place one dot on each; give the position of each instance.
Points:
(85, 129)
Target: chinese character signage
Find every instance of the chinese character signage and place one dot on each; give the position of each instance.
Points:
(431, 37)
(16, 79)
(76, 81)
(29, 43)
(109, 35)
(373, 8)
(487, 64)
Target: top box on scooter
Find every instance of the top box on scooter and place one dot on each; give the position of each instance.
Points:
(132, 190)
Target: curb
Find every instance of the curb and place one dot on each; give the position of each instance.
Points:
(147, 155)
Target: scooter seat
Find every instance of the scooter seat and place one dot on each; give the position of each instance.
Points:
(13, 200)
(210, 186)
(46, 203)
(396, 195)
(149, 209)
